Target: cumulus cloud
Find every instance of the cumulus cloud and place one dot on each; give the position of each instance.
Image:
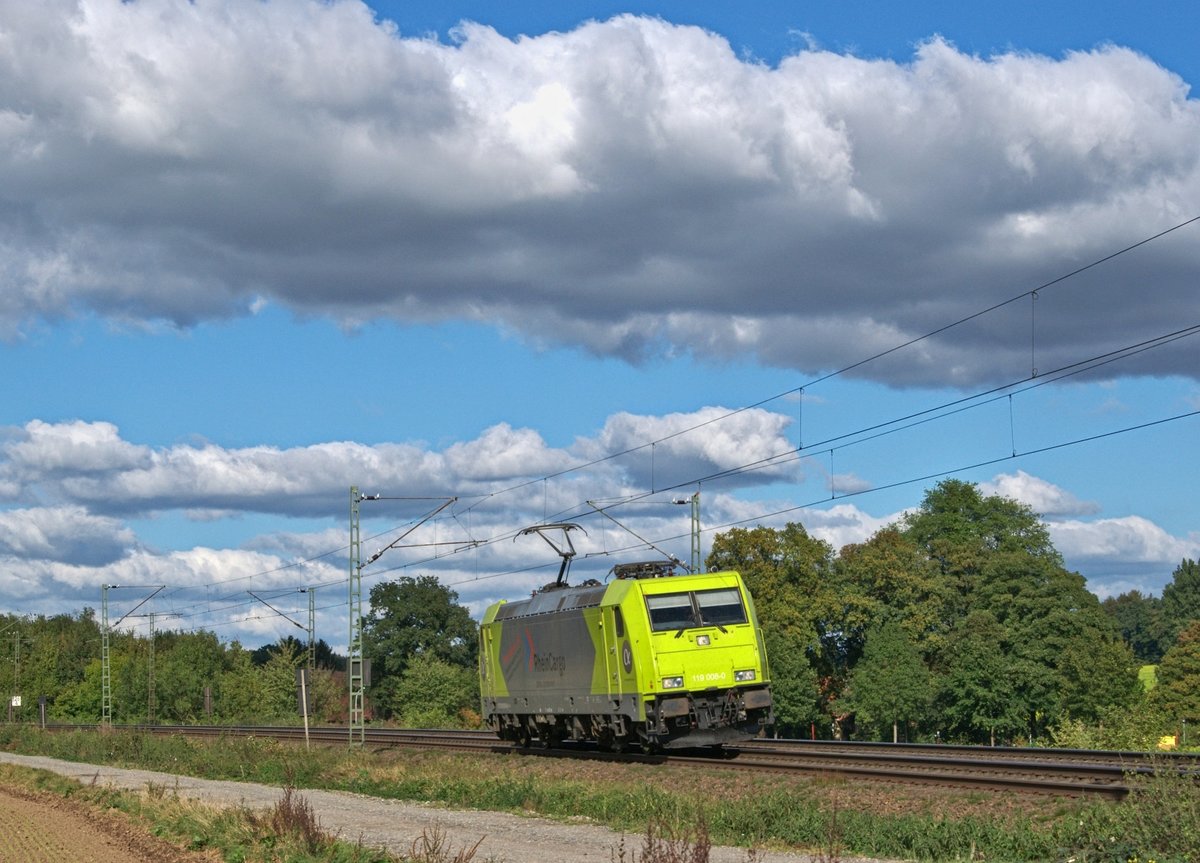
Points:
(1130, 539)
(739, 448)
(1046, 499)
(68, 534)
(631, 186)
(55, 557)
(88, 465)
(1123, 554)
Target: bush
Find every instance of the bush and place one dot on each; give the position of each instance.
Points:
(1159, 821)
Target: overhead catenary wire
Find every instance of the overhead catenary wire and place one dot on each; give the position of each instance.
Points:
(759, 403)
(845, 439)
(878, 429)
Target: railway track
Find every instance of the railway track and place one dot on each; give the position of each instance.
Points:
(1060, 772)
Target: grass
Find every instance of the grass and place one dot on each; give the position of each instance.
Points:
(826, 818)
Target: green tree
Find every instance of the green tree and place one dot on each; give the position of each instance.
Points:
(239, 693)
(994, 555)
(805, 616)
(1048, 616)
(278, 687)
(1100, 678)
(977, 694)
(185, 665)
(413, 618)
(46, 656)
(794, 687)
(1180, 601)
(960, 530)
(1178, 691)
(890, 684)
(432, 693)
(324, 655)
(901, 583)
(1139, 618)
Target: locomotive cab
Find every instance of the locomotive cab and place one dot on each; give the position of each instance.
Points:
(710, 678)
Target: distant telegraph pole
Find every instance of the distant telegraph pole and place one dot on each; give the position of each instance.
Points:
(354, 661)
(312, 626)
(105, 663)
(694, 500)
(105, 658)
(357, 670)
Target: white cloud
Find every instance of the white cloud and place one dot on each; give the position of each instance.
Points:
(631, 186)
(1131, 539)
(88, 465)
(1122, 554)
(67, 449)
(1046, 499)
(68, 533)
(848, 483)
(54, 558)
(705, 443)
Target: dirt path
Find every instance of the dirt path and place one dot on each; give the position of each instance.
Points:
(44, 828)
(392, 824)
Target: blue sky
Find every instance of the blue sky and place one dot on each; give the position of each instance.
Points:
(252, 255)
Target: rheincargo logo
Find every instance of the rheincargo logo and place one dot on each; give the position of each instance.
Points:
(548, 663)
(540, 663)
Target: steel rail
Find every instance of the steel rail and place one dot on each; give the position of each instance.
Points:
(1060, 772)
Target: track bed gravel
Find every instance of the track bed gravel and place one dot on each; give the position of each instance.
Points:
(392, 824)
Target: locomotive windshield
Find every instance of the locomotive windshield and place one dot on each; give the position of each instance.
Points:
(720, 607)
(671, 611)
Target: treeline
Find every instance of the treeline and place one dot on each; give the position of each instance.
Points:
(961, 623)
(421, 643)
(1150, 625)
(196, 677)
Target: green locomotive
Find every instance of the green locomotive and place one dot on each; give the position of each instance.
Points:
(650, 658)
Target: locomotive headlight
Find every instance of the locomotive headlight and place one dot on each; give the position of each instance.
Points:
(672, 682)
(744, 676)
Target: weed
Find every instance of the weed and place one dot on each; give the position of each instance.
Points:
(1160, 820)
(432, 846)
(666, 844)
(156, 790)
(293, 816)
(831, 851)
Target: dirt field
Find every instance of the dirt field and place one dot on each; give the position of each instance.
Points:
(48, 829)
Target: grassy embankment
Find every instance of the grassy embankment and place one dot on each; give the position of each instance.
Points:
(830, 818)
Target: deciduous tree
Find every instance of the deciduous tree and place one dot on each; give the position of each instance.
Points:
(1178, 691)
(890, 684)
(411, 619)
(978, 693)
(1180, 601)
